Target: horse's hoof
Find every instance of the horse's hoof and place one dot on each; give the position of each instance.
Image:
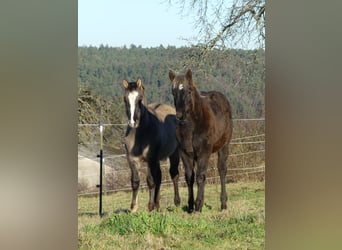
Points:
(177, 202)
(134, 208)
(150, 207)
(190, 210)
(198, 207)
(223, 206)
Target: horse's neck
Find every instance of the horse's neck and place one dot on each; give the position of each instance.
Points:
(144, 120)
(197, 109)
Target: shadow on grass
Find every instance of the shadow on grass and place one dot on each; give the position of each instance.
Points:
(122, 211)
(185, 209)
(104, 214)
(205, 207)
(89, 214)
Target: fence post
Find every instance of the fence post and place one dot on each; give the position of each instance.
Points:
(104, 182)
(101, 161)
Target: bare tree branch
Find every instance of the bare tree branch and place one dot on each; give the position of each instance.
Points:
(221, 22)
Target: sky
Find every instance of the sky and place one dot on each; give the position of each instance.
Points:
(147, 23)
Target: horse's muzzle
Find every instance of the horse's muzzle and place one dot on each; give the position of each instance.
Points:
(180, 118)
(179, 115)
(133, 124)
(180, 121)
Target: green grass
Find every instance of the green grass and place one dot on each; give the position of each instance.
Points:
(239, 227)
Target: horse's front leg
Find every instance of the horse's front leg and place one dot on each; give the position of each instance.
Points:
(202, 166)
(153, 182)
(188, 164)
(135, 182)
(174, 163)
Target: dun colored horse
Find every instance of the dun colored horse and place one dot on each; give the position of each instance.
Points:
(204, 127)
(150, 137)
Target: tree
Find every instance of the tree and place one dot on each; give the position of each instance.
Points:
(223, 23)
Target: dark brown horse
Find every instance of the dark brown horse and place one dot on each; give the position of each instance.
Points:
(204, 127)
(150, 137)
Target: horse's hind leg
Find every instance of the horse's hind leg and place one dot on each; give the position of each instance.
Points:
(153, 181)
(135, 181)
(222, 168)
(174, 162)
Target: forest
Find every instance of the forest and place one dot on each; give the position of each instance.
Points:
(239, 74)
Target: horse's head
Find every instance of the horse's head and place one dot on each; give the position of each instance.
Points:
(134, 100)
(182, 90)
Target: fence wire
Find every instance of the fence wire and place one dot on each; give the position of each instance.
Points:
(245, 162)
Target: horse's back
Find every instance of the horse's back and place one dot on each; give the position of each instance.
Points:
(219, 104)
(161, 111)
(221, 110)
(166, 116)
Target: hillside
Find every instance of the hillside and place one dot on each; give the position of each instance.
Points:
(239, 74)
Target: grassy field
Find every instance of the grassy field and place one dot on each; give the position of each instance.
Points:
(240, 227)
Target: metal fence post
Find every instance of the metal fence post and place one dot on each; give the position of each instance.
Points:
(101, 161)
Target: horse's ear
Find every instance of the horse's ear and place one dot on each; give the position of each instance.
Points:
(172, 75)
(188, 75)
(125, 84)
(139, 83)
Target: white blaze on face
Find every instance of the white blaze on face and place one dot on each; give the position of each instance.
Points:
(180, 87)
(131, 98)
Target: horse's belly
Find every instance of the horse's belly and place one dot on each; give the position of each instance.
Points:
(213, 139)
(224, 139)
(145, 152)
